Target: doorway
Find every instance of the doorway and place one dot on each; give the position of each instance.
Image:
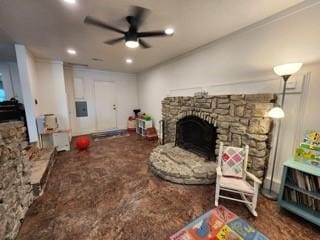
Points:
(2, 91)
(105, 103)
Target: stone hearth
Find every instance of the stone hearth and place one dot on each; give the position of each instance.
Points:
(240, 120)
(181, 166)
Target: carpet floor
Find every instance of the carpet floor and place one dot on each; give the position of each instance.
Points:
(108, 193)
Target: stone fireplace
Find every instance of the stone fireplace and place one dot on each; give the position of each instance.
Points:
(236, 120)
(196, 135)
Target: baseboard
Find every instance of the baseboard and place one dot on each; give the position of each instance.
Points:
(275, 186)
(87, 132)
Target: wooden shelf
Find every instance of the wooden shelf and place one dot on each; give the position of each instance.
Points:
(142, 126)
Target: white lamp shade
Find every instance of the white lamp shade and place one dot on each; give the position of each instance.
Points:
(287, 69)
(132, 44)
(276, 112)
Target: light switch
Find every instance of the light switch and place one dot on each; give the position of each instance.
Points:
(291, 84)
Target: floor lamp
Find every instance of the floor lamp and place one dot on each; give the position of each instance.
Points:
(284, 71)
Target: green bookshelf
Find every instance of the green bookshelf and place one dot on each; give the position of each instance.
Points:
(300, 190)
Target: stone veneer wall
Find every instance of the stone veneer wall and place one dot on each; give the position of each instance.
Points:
(15, 188)
(240, 120)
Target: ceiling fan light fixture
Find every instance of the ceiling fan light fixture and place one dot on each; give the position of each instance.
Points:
(132, 44)
(169, 31)
(132, 36)
(70, 1)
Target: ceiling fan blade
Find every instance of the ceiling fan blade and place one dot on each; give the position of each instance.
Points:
(114, 41)
(139, 14)
(98, 23)
(152, 34)
(144, 44)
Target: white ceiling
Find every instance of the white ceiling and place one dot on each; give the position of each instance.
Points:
(49, 27)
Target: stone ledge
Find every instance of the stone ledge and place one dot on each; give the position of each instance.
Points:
(40, 170)
(180, 166)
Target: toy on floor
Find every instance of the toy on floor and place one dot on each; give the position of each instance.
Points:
(218, 224)
(151, 134)
(132, 124)
(82, 142)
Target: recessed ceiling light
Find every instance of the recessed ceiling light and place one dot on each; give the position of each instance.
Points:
(129, 60)
(169, 31)
(71, 51)
(70, 1)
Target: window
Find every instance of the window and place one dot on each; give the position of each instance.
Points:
(2, 92)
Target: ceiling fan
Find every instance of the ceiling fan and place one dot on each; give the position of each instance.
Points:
(132, 37)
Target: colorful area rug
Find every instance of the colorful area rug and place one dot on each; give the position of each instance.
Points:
(110, 134)
(219, 223)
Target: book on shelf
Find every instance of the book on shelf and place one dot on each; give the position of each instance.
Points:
(303, 180)
(309, 195)
(300, 198)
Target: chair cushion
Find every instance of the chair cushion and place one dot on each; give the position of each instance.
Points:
(232, 162)
(236, 184)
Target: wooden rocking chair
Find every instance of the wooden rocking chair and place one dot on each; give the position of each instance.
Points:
(232, 176)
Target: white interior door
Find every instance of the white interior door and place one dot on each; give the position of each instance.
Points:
(105, 101)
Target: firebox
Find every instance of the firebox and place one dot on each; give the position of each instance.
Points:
(196, 135)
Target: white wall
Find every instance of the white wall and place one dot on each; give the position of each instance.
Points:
(27, 75)
(10, 76)
(246, 58)
(126, 87)
(247, 55)
(53, 87)
(51, 91)
(43, 81)
(311, 116)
